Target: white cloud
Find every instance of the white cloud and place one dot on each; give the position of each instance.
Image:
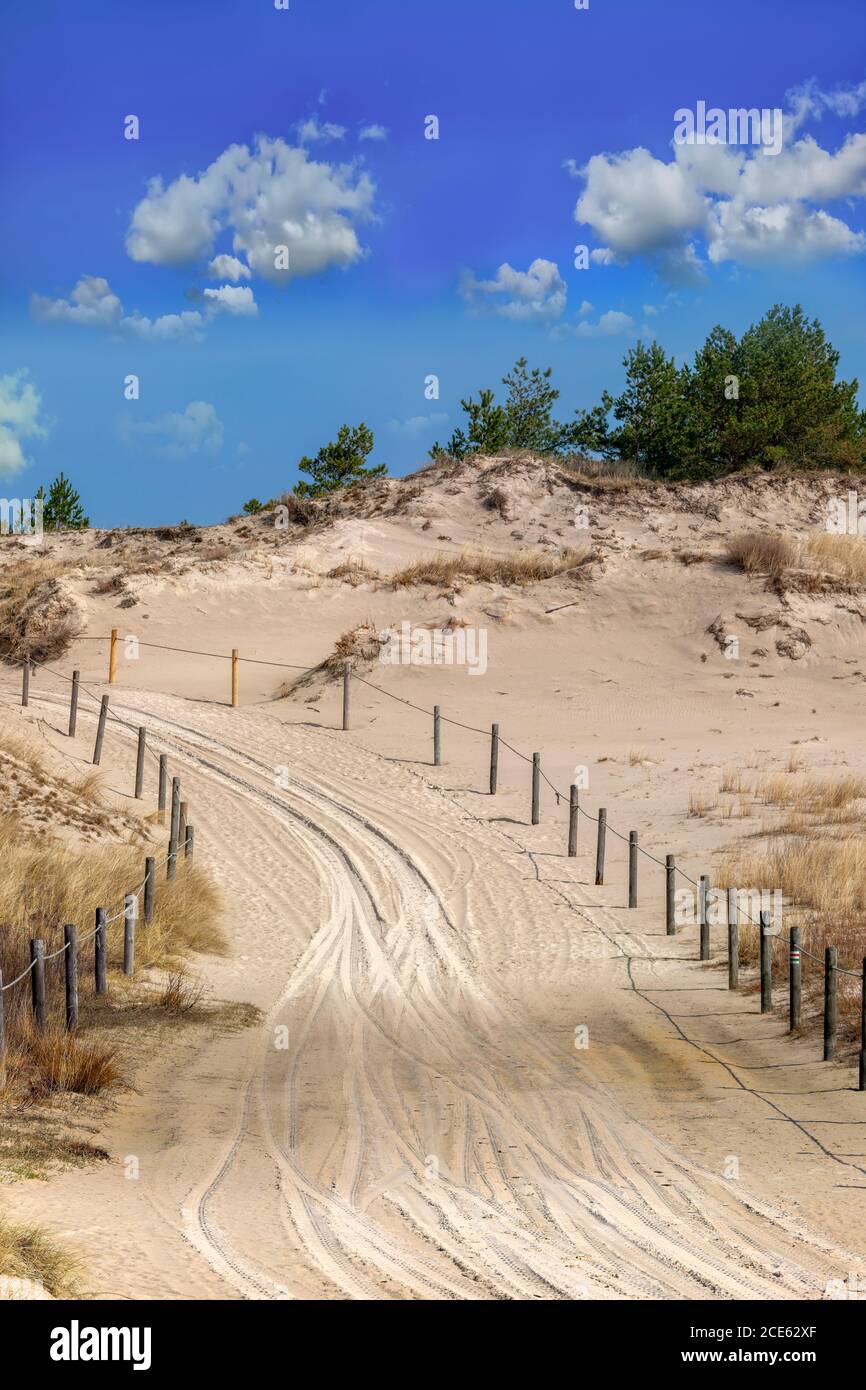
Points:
(233, 299)
(373, 132)
(585, 308)
(715, 203)
(228, 268)
(91, 304)
(610, 325)
(312, 130)
(416, 425)
(274, 195)
(177, 434)
(20, 407)
(536, 293)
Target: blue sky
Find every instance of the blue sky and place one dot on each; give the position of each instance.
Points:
(408, 257)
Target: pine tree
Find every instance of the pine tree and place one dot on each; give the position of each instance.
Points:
(62, 509)
(341, 463)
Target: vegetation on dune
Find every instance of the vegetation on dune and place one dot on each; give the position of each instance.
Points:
(342, 463)
(770, 397)
(61, 508)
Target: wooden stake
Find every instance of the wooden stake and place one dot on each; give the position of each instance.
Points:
(437, 737)
(149, 888)
(632, 868)
(139, 763)
(100, 957)
(494, 758)
(733, 940)
(163, 783)
(346, 695)
(703, 895)
(794, 980)
(37, 981)
(766, 963)
(100, 731)
(73, 703)
(831, 958)
(235, 677)
(130, 910)
(536, 787)
(189, 843)
(25, 681)
(670, 895)
(599, 847)
(112, 658)
(70, 962)
(573, 809)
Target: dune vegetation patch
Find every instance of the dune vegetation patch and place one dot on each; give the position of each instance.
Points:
(483, 566)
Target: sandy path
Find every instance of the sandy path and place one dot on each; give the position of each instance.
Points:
(412, 1120)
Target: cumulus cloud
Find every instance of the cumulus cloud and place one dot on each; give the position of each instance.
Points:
(273, 195)
(90, 304)
(716, 202)
(313, 129)
(610, 325)
(20, 410)
(228, 268)
(416, 425)
(177, 434)
(373, 132)
(93, 305)
(536, 293)
(233, 299)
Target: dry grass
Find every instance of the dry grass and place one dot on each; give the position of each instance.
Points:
(821, 562)
(353, 571)
(36, 615)
(30, 1256)
(813, 795)
(843, 557)
(46, 883)
(180, 994)
(700, 805)
(520, 567)
(757, 552)
(732, 781)
(637, 757)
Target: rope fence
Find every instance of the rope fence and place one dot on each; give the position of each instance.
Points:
(736, 912)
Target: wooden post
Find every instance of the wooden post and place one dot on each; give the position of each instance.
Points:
(766, 963)
(346, 694)
(670, 895)
(632, 868)
(794, 980)
(862, 1079)
(2, 1037)
(181, 825)
(100, 730)
(130, 910)
(112, 658)
(437, 737)
(175, 828)
(189, 843)
(100, 957)
(73, 703)
(536, 787)
(235, 675)
(163, 782)
(599, 847)
(573, 810)
(494, 758)
(149, 888)
(139, 763)
(70, 938)
(733, 940)
(25, 681)
(830, 1001)
(703, 919)
(37, 981)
